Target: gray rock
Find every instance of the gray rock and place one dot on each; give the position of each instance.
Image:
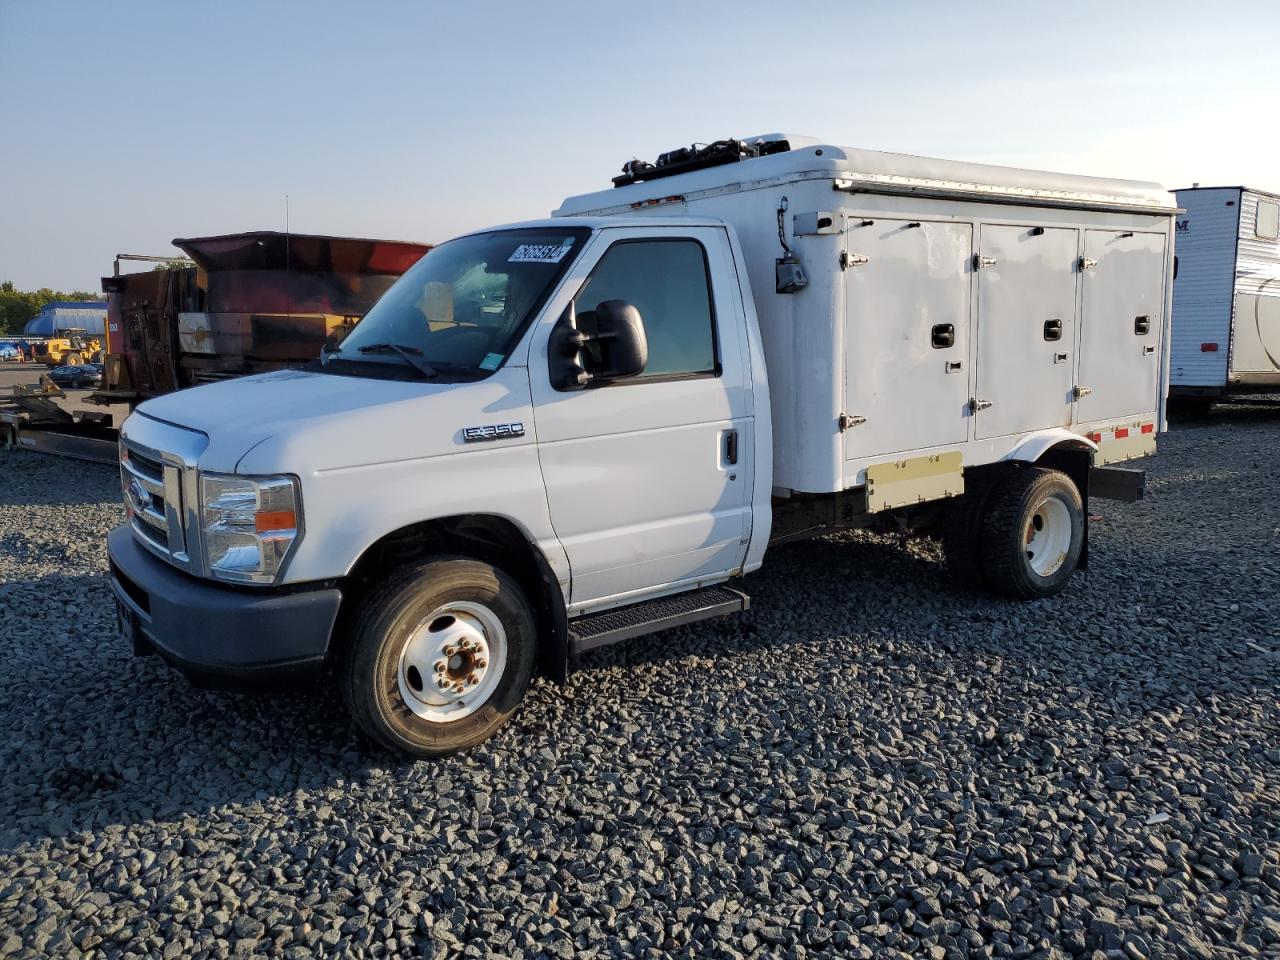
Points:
(869, 762)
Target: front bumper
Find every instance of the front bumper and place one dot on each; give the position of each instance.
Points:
(218, 636)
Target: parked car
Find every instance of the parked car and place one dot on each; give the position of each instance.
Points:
(77, 377)
(10, 350)
(739, 346)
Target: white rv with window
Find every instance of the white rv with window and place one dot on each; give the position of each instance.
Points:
(555, 435)
(1226, 298)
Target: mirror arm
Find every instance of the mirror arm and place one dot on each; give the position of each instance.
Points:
(565, 346)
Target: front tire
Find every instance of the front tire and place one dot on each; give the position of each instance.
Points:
(441, 656)
(1033, 533)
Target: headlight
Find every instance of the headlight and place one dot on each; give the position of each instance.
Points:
(249, 524)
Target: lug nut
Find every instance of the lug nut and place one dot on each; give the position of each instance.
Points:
(440, 666)
(481, 664)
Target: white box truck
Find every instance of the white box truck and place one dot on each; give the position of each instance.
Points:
(1226, 296)
(554, 435)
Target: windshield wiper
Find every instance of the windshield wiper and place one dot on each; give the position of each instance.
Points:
(408, 354)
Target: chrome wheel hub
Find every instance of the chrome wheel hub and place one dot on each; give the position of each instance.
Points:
(452, 662)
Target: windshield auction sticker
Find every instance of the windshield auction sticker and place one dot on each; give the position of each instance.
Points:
(541, 252)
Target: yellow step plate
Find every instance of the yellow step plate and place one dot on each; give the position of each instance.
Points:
(906, 482)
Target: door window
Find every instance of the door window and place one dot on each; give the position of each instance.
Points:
(668, 282)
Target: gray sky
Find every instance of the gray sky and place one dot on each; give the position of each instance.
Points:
(131, 123)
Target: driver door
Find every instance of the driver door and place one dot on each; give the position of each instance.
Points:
(649, 478)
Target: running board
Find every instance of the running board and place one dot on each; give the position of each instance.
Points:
(612, 626)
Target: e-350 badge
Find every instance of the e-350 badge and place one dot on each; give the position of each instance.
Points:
(493, 431)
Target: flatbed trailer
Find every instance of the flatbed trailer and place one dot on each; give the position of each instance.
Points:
(30, 419)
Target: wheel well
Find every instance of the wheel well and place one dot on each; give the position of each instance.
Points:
(1075, 459)
(490, 539)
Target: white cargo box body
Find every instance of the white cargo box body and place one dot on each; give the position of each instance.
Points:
(950, 307)
(1226, 298)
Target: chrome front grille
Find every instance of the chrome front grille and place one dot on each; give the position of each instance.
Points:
(159, 472)
(153, 493)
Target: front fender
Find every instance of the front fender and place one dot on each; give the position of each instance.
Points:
(348, 510)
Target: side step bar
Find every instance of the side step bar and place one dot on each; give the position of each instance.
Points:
(612, 626)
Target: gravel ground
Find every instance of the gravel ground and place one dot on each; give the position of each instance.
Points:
(869, 763)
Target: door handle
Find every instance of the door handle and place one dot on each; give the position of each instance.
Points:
(730, 447)
(944, 335)
(1141, 326)
(1053, 330)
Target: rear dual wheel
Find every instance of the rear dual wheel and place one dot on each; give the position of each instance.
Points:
(441, 657)
(1022, 537)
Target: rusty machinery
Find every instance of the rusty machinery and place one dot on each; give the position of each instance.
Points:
(237, 304)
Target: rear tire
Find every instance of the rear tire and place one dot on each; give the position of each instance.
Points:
(1033, 533)
(441, 656)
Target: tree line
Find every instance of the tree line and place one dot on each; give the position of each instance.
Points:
(17, 307)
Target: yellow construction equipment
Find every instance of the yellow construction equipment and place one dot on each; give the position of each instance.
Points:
(68, 347)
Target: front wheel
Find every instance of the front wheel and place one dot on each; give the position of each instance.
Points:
(441, 657)
(1033, 533)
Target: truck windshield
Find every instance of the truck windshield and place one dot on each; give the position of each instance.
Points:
(460, 309)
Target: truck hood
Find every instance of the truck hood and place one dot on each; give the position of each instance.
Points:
(295, 421)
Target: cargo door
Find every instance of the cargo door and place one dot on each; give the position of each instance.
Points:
(906, 335)
(1123, 307)
(1026, 328)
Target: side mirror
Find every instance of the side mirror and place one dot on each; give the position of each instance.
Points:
(607, 343)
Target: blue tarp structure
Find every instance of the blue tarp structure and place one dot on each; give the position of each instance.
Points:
(88, 315)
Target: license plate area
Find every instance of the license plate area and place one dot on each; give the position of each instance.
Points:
(131, 630)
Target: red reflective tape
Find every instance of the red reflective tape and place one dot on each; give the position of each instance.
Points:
(1148, 428)
(1121, 432)
(1208, 348)
(1095, 437)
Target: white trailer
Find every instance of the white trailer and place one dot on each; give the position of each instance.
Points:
(555, 435)
(1226, 297)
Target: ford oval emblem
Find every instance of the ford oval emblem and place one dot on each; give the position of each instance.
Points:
(139, 498)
